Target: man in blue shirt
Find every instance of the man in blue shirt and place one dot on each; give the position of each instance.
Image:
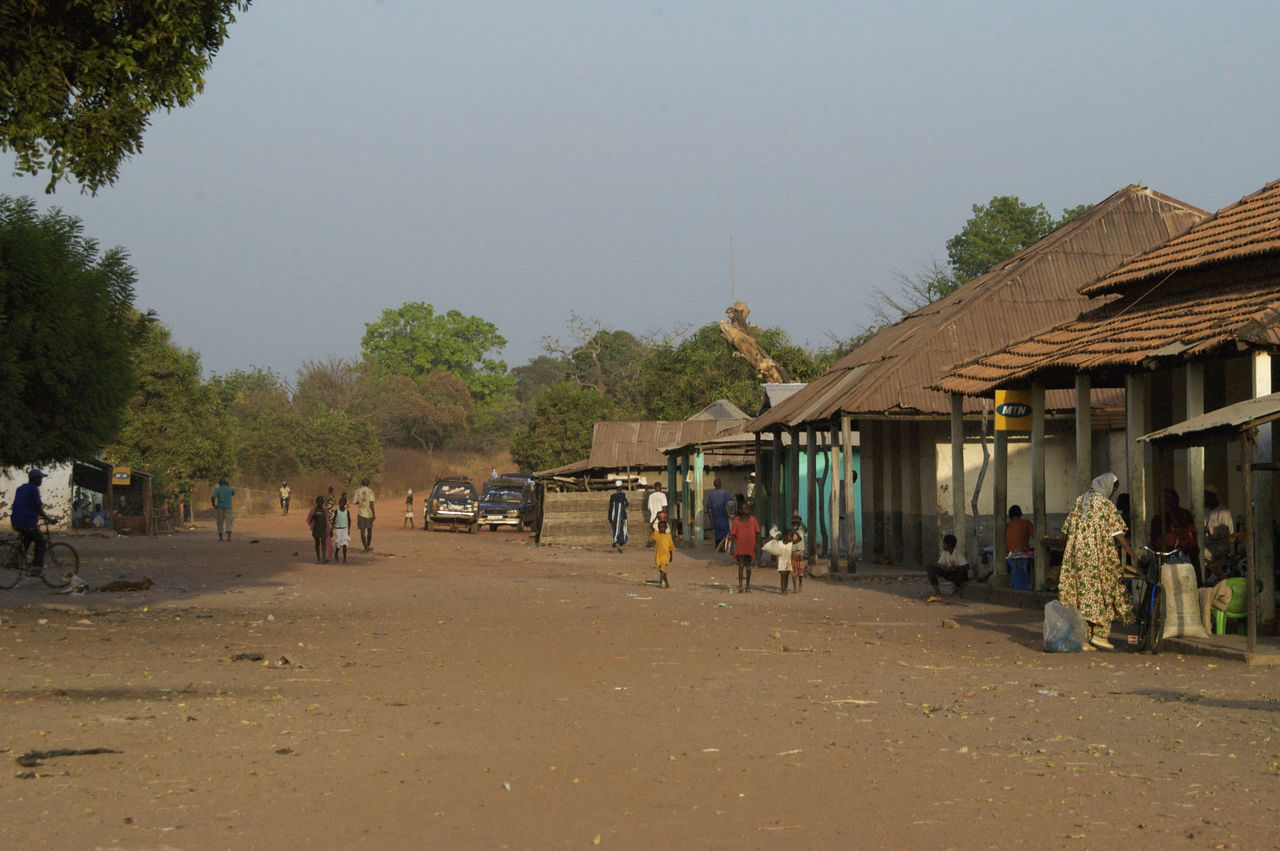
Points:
(221, 500)
(28, 511)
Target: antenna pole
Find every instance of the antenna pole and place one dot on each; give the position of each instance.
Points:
(732, 293)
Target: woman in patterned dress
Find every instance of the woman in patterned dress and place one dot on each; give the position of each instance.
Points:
(1090, 580)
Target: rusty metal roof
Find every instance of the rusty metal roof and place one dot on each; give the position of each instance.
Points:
(635, 445)
(1248, 228)
(1189, 316)
(892, 373)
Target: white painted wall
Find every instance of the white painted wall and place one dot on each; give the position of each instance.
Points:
(56, 491)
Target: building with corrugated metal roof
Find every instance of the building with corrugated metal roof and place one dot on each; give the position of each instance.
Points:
(884, 388)
(1187, 327)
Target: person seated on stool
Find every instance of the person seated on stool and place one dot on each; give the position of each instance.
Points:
(1017, 542)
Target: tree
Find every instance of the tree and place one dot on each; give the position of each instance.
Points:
(83, 78)
(604, 360)
(559, 428)
(69, 328)
(173, 424)
(337, 443)
(261, 423)
(997, 231)
(426, 413)
(333, 384)
(682, 379)
(414, 340)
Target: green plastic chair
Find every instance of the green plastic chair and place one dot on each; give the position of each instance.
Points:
(1235, 609)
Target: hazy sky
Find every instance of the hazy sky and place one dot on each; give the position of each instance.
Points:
(520, 161)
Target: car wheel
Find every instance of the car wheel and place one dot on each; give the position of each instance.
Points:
(493, 527)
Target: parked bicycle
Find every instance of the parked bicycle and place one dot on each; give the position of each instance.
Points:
(1149, 599)
(61, 562)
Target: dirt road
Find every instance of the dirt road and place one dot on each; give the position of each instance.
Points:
(452, 690)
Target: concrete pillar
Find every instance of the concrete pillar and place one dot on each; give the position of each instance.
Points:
(698, 497)
(1041, 520)
(912, 456)
(872, 487)
(958, 524)
(848, 504)
(893, 491)
(1000, 497)
(1262, 492)
(1137, 423)
(1084, 433)
(1195, 454)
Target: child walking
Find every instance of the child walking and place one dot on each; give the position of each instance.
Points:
(786, 558)
(318, 520)
(341, 528)
(663, 547)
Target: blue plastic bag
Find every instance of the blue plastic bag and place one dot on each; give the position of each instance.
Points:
(1065, 630)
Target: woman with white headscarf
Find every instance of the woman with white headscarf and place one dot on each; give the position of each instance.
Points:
(1090, 580)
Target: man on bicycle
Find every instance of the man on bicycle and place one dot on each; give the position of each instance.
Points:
(28, 511)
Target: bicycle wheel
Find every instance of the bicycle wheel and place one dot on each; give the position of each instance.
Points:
(10, 564)
(61, 562)
(1157, 618)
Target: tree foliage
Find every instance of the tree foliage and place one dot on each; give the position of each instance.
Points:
(679, 380)
(173, 424)
(67, 314)
(260, 422)
(559, 429)
(83, 78)
(426, 413)
(998, 230)
(337, 443)
(413, 340)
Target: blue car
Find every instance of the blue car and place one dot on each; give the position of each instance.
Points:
(507, 502)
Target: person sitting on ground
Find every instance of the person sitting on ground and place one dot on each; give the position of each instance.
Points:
(1017, 542)
(663, 547)
(951, 566)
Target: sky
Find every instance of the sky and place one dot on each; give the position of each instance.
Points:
(644, 165)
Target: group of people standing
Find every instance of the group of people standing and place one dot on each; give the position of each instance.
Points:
(330, 523)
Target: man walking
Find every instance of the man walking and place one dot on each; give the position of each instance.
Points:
(365, 514)
(618, 503)
(222, 506)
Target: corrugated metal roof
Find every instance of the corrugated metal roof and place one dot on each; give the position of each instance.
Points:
(1224, 423)
(1203, 313)
(635, 445)
(892, 373)
(1248, 228)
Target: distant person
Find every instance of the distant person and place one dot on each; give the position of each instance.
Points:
(408, 511)
(663, 548)
(1090, 578)
(330, 506)
(744, 532)
(618, 503)
(221, 500)
(318, 520)
(716, 504)
(284, 499)
(799, 553)
(365, 514)
(1017, 541)
(98, 519)
(341, 528)
(28, 511)
(656, 505)
(951, 566)
(1219, 528)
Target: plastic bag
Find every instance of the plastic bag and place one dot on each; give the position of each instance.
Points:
(1065, 630)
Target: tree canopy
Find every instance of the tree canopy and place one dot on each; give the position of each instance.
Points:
(83, 78)
(413, 340)
(998, 230)
(69, 324)
(560, 426)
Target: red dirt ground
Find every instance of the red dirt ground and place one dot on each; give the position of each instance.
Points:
(453, 690)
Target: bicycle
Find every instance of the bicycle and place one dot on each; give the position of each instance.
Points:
(61, 562)
(1150, 598)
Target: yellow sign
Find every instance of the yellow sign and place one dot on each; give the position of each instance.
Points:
(121, 476)
(1013, 410)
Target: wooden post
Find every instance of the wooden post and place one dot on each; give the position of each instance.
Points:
(775, 480)
(811, 491)
(833, 495)
(686, 500)
(1195, 454)
(1137, 423)
(848, 504)
(1038, 483)
(958, 524)
(1084, 432)
(1250, 544)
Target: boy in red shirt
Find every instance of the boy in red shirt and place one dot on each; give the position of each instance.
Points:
(745, 534)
